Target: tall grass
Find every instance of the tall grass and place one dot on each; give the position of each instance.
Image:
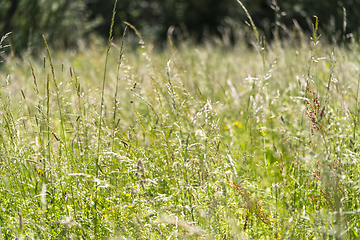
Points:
(195, 141)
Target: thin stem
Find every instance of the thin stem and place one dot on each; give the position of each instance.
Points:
(117, 85)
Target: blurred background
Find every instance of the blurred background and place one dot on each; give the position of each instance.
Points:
(64, 22)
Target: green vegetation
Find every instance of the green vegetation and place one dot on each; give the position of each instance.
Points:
(196, 141)
(65, 22)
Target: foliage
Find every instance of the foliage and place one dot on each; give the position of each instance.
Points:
(200, 19)
(337, 18)
(64, 22)
(153, 18)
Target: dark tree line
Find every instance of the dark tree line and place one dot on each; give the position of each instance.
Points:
(63, 22)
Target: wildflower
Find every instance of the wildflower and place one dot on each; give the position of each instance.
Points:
(226, 127)
(128, 194)
(239, 125)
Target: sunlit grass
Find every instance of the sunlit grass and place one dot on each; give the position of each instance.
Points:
(205, 143)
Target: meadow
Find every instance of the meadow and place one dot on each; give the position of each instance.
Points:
(193, 141)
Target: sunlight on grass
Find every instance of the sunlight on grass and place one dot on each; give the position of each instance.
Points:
(193, 141)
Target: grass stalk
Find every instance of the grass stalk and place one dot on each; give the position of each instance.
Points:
(260, 41)
(57, 91)
(103, 89)
(117, 86)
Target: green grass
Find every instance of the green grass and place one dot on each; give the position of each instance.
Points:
(206, 142)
